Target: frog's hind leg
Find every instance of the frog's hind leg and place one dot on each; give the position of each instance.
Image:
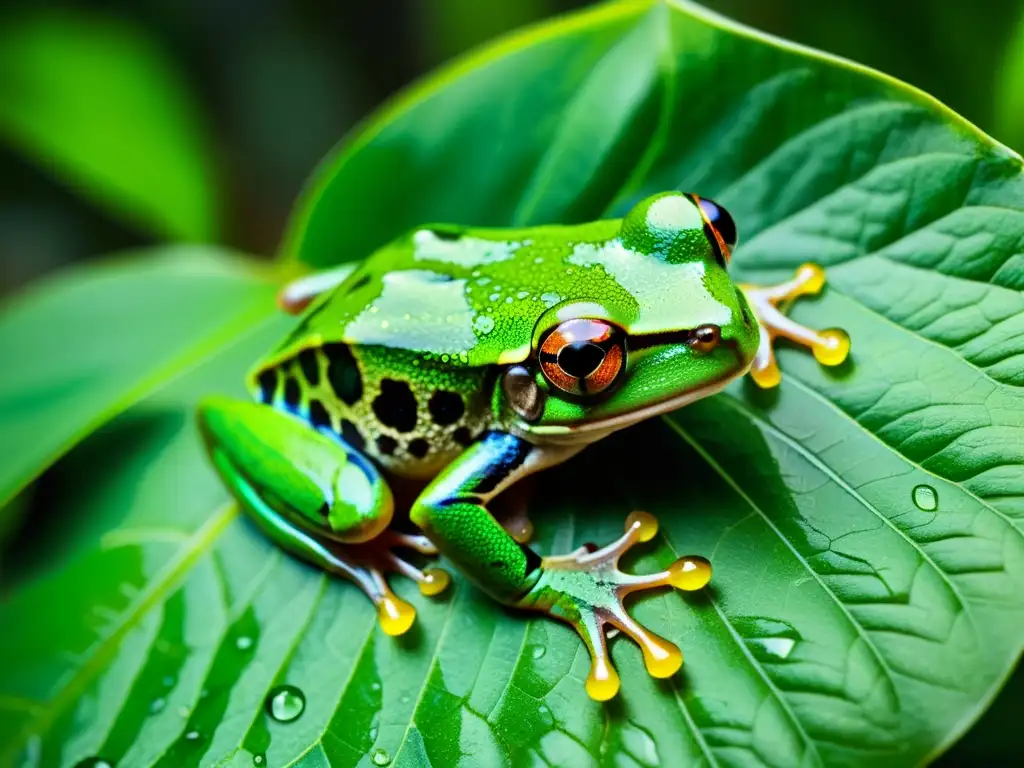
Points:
(316, 498)
(830, 347)
(299, 293)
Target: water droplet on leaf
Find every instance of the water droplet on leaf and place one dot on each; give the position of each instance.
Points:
(285, 703)
(926, 498)
(380, 757)
(94, 762)
(244, 643)
(768, 639)
(538, 651)
(157, 705)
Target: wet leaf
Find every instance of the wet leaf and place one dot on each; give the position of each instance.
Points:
(853, 619)
(94, 101)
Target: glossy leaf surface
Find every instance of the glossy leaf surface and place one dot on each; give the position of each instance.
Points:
(94, 101)
(92, 341)
(864, 524)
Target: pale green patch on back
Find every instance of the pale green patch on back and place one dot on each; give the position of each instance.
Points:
(402, 317)
(674, 295)
(466, 251)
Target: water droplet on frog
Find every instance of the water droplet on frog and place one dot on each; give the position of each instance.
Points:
(94, 762)
(244, 643)
(483, 324)
(768, 639)
(380, 757)
(926, 498)
(157, 705)
(538, 651)
(550, 299)
(285, 703)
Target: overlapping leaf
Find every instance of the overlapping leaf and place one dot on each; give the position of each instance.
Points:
(864, 524)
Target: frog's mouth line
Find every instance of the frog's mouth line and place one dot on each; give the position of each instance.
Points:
(594, 430)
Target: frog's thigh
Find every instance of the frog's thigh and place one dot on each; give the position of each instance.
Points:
(301, 486)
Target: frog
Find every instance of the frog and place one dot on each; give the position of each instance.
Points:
(456, 361)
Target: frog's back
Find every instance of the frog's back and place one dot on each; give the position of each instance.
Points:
(400, 359)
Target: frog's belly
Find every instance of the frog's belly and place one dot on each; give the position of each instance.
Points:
(412, 419)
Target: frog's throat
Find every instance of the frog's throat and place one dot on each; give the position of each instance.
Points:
(592, 431)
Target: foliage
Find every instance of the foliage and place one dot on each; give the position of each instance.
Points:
(864, 525)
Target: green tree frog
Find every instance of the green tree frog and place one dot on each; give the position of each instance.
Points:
(454, 362)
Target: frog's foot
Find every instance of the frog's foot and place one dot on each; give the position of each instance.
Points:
(830, 347)
(369, 564)
(586, 588)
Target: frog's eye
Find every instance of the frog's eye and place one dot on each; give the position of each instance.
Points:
(583, 356)
(721, 223)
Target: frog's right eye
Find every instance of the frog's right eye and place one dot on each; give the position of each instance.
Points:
(721, 224)
(583, 356)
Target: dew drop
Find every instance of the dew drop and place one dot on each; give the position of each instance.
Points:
(192, 736)
(94, 762)
(168, 681)
(258, 759)
(244, 643)
(184, 711)
(545, 715)
(550, 299)
(768, 639)
(380, 757)
(640, 745)
(926, 498)
(538, 651)
(157, 705)
(285, 703)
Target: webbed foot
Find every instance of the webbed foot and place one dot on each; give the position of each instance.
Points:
(369, 563)
(586, 588)
(830, 347)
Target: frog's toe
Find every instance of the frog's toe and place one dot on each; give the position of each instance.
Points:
(830, 347)
(586, 589)
(373, 561)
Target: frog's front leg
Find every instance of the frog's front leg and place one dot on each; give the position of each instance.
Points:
(317, 498)
(830, 347)
(584, 588)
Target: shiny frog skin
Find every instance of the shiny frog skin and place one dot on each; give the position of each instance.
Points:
(457, 361)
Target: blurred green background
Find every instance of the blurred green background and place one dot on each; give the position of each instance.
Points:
(125, 124)
(261, 89)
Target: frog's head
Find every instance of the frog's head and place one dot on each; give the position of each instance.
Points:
(653, 322)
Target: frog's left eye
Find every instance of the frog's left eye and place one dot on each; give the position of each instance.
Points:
(720, 222)
(583, 356)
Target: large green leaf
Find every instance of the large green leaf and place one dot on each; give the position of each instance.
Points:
(87, 344)
(95, 102)
(848, 624)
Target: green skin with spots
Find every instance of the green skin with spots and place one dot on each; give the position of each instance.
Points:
(400, 371)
